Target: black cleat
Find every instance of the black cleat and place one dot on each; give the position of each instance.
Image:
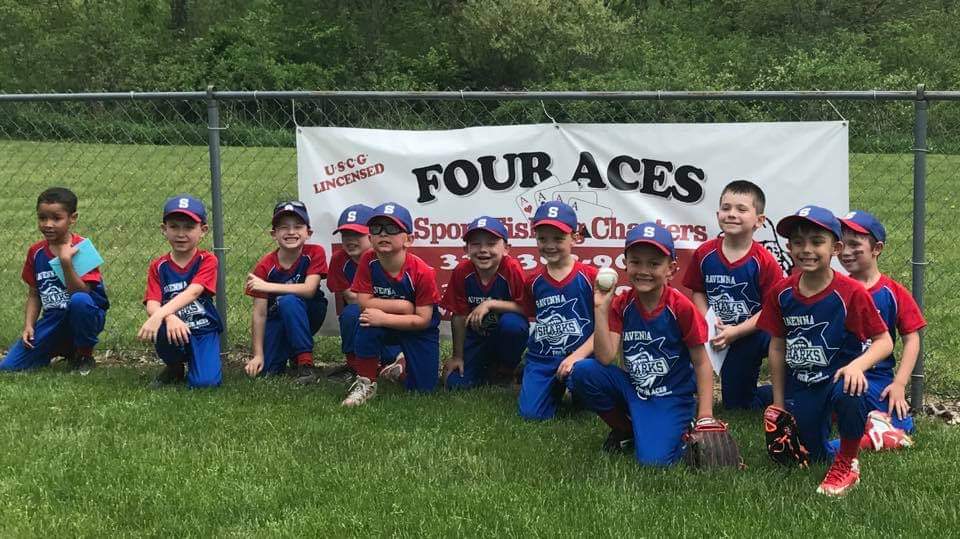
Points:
(341, 374)
(618, 442)
(306, 375)
(72, 362)
(85, 364)
(171, 374)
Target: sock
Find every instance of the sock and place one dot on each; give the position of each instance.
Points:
(305, 358)
(368, 367)
(84, 351)
(849, 447)
(617, 420)
(351, 360)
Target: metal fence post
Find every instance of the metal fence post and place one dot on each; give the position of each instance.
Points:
(213, 142)
(918, 261)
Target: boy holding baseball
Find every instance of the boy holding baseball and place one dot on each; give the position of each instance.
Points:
(666, 380)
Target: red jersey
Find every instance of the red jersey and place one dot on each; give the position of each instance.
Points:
(465, 291)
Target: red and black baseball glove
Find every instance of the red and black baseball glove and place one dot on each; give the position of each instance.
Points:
(783, 440)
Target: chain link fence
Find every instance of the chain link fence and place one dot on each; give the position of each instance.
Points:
(123, 154)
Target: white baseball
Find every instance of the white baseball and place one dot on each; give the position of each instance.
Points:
(607, 278)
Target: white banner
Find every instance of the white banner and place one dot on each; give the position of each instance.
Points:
(615, 175)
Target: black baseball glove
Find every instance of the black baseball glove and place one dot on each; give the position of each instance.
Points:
(783, 440)
(488, 323)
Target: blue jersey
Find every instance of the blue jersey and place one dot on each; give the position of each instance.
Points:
(822, 332)
(416, 282)
(165, 279)
(734, 289)
(563, 311)
(312, 261)
(53, 293)
(899, 311)
(656, 344)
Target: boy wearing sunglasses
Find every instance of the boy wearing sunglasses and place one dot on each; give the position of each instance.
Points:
(288, 305)
(398, 296)
(354, 242)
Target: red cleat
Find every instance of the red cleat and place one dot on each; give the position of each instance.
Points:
(882, 435)
(395, 372)
(843, 475)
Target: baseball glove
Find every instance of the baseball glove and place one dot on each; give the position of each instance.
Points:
(488, 323)
(710, 445)
(783, 441)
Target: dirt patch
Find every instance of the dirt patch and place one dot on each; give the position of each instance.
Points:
(947, 410)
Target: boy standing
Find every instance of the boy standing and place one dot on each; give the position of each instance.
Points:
(488, 325)
(288, 306)
(730, 275)
(560, 296)
(74, 309)
(818, 320)
(398, 297)
(649, 403)
(864, 237)
(183, 322)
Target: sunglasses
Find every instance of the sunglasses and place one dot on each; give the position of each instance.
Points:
(380, 228)
(295, 203)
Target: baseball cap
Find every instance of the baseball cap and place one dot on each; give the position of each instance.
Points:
(653, 234)
(188, 205)
(396, 213)
(292, 206)
(490, 224)
(354, 218)
(815, 215)
(556, 214)
(865, 223)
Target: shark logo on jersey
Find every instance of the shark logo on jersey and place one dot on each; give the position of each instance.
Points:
(645, 368)
(554, 330)
(730, 302)
(193, 315)
(807, 347)
(52, 294)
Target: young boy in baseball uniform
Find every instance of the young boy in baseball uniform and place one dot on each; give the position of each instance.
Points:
(484, 297)
(560, 296)
(63, 317)
(288, 305)
(354, 242)
(183, 322)
(818, 319)
(397, 292)
(889, 420)
(730, 275)
(666, 380)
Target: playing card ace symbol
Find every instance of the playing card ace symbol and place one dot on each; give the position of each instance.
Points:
(526, 207)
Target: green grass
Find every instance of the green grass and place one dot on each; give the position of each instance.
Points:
(122, 188)
(102, 455)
